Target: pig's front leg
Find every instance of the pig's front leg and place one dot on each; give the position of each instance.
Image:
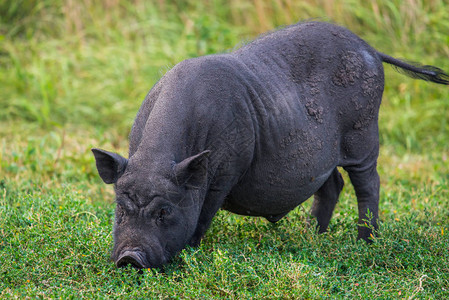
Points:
(211, 205)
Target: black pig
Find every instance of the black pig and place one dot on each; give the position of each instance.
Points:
(256, 132)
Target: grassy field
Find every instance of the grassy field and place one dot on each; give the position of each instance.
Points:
(73, 75)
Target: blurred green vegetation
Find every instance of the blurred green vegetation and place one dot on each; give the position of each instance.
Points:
(73, 75)
(90, 63)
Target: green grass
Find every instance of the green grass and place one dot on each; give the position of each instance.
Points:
(73, 75)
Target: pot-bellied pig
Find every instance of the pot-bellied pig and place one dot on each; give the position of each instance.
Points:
(257, 132)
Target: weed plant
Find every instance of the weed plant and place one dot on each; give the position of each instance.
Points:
(73, 75)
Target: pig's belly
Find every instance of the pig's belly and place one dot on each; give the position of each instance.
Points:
(270, 190)
(287, 168)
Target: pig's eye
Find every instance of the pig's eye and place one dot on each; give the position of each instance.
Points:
(119, 215)
(163, 213)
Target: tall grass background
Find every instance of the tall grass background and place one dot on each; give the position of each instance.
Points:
(73, 75)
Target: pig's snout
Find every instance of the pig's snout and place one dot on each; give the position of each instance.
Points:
(136, 258)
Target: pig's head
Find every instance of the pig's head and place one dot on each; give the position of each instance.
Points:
(158, 206)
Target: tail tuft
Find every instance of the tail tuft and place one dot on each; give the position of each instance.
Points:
(428, 73)
(416, 70)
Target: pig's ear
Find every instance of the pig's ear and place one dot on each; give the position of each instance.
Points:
(110, 165)
(192, 171)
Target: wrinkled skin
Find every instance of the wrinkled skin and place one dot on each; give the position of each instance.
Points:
(256, 132)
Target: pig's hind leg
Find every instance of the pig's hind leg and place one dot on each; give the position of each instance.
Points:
(363, 150)
(366, 185)
(325, 200)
